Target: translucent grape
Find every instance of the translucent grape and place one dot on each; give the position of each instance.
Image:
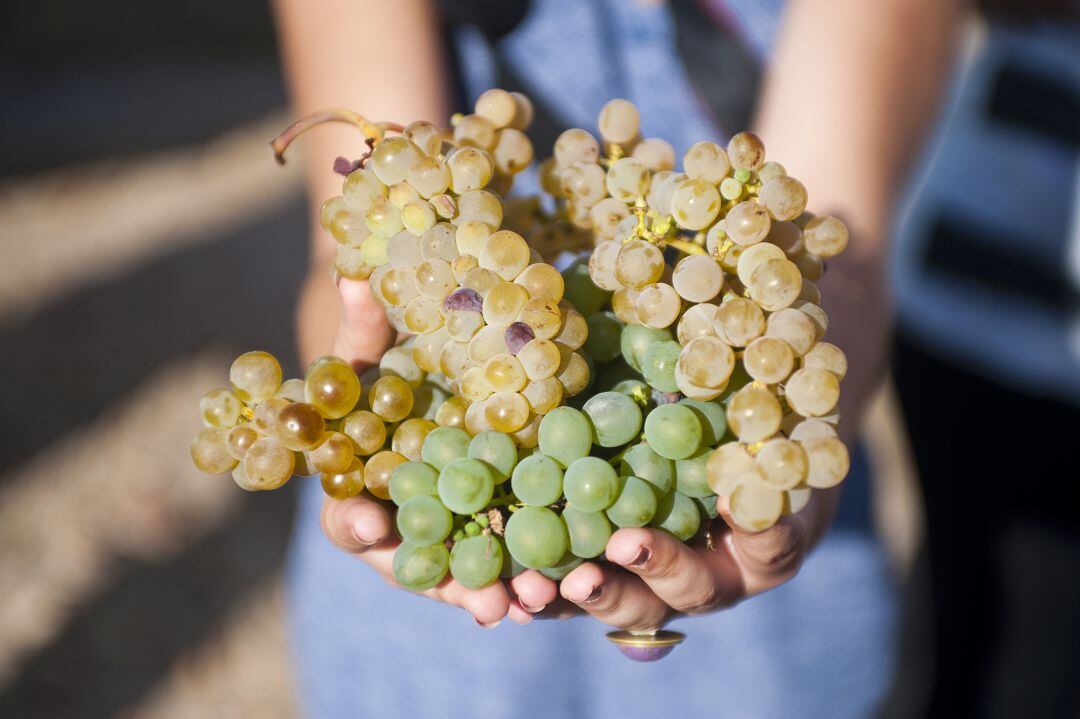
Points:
(639, 263)
(475, 562)
(444, 445)
(824, 355)
(746, 151)
(637, 339)
(602, 264)
(480, 206)
(755, 256)
(618, 122)
(498, 106)
(658, 365)
(292, 390)
(583, 183)
(423, 520)
(663, 189)
(504, 303)
(539, 359)
(678, 515)
(254, 376)
(616, 419)
(346, 483)
(543, 316)
(507, 411)
(697, 321)
(642, 462)
(383, 219)
(438, 243)
(697, 278)
(378, 471)
(712, 417)
(565, 435)
(426, 349)
(673, 431)
(504, 372)
(473, 386)
(543, 395)
(497, 450)
(775, 284)
(706, 161)
(812, 392)
(635, 504)
(210, 451)
(801, 429)
(425, 136)
(605, 333)
(739, 322)
(825, 236)
(816, 315)
(465, 485)
(580, 290)
(517, 335)
(747, 223)
(727, 463)
(575, 329)
(505, 253)
(782, 463)
(691, 474)
(769, 360)
(361, 189)
(573, 373)
(391, 159)
(606, 216)
(373, 253)
(413, 479)
(828, 461)
(420, 568)
(658, 305)
(795, 328)
(542, 281)
(707, 361)
(475, 131)
(754, 505)
(470, 169)
(366, 430)
(536, 537)
(576, 146)
(784, 197)
(589, 532)
(770, 170)
(462, 265)
(754, 414)
(409, 437)
(300, 426)
(268, 464)
(513, 151)
(695, 204)
(220, 408)
(451, 413)
(528, 436)
(238, 440)
(656, 154)
(422, 315)
(391, 398)
(402, 194)
(627, 179)
(398, 361)
(537, 481)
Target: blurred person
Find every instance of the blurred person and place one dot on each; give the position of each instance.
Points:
(987, 284)
(849, 90)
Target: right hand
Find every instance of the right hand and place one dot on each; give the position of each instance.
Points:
(362, 526)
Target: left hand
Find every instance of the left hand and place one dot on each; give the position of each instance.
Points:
(650, 577)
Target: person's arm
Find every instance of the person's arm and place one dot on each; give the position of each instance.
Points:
(847, 100)
(384, 60)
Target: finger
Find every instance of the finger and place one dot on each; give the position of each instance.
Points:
(488, 605)
(768, 557)
(615, 597)
(356, 524)
(560, 608)
(533, 590)
(688, 579)
(517, 614)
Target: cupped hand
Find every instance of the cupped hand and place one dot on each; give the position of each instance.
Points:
(362, 526)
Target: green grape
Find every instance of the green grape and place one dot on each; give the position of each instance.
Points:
(605, 331)
(536, 537)
(445, 444)
(413, 479)
(635, 504)
(590, 484)
(589, 531)
(423, 520)
(466, 485)
(537, 480)
(476, 562)
(632, 388)
(497, 450)
(580, 290)
(712, 418)
(636, 339)
(255, 376)
(511, 567)
(220, 408)
(691, 477)
(332, 387)
(642, 462)
(678, 515)
(658, 365)
(673, 431)
(565, 435)
(616, 419)
(708, 506)
(567, 564)
(420, 568)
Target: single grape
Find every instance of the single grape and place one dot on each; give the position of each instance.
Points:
(475, 131)
(543, 395)
(637, 339)
(575, 145)
(775, 284)
(366, 430)
(420, 568)
(642, 462)
(590, 484)
(639, 263)
(444, 445)
(825, 236)
(575, 329)
(300, 427)
(391, 398)
(567, 564)
(658, 365)
(239, 440)
(726, 464)
(409, 437)
(769, 360)
(565, 435)
(746, 151)
(618, 121)
(507, 411)
(539, 358)
(255, 376)
(466, 485)
(707, 161)
(691, 474)
(712, 418)
(413, 479)
(627, 179)
(537, 480)
(346, 483)
(673, 431)
(754, 505)
(739, 322)
(678, 515)
(334, 454)
(423, 520)
(210, 451)
(697, 278)
(470, 169)
(658, 155)
(475, 562)
(782, 463)
(695, 204)
(542, 281)
(497, 450)
(783, 196)
(589, 531)
(332, 388)
(658, 305)
(707, 362)
(616, 419)
(828, 461)
(268, 464)
(635, 503)
(220, 408)
(574, 372)
(580, 290)
(827, 356)
(536, 537)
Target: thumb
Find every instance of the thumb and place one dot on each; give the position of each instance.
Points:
(364, 334)
(771, 556)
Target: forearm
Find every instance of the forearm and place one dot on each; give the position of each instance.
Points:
(382, 59)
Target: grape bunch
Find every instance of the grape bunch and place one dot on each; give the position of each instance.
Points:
(530, 412)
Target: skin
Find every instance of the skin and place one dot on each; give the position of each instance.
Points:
(848, 97)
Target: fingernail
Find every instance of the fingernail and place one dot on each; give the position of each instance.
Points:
(359, 538)
(593, 596)
(643, 556)
(531, 610)
(489, 625)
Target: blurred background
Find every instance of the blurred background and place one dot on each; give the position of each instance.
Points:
(146, 238)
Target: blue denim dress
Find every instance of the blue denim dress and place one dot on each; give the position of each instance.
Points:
(820, 646)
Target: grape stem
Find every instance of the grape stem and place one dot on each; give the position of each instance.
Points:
(373, 131)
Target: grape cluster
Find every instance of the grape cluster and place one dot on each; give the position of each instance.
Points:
(531, 412)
